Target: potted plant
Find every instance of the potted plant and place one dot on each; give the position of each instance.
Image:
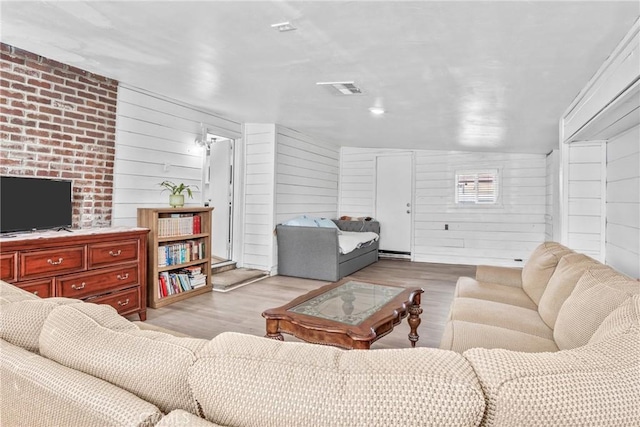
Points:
(176, 198)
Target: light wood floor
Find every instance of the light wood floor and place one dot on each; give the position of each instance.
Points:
(207, 315)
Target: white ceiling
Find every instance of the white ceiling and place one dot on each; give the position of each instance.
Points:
(488, 76)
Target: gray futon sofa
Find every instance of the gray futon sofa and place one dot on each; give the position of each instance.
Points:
(313, 252)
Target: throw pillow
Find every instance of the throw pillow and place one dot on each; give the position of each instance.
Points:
(327, 223)
(301, 221)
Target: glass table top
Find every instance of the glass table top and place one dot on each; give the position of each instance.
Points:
(350, 303)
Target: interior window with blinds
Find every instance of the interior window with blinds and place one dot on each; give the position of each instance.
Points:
(477, 187)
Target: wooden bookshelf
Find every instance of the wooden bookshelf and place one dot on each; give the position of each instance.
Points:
(182, 245)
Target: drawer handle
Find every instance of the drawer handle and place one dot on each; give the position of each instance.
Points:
(52, 262)
(124, 276)
(77, 288)
(115, 253)
(122, 304)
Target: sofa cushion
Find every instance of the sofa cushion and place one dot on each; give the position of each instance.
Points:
(498, 314)
(36, 391)
(508, 276)
(540, 266)
(21, 321)
(467, 287)
(309, 384)
(96, 340)
(596, 295)
(569, 270)
(594, 385)
(620, 321)
(460, 336)
(180, 418)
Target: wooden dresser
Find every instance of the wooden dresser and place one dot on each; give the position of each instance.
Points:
(100, 265)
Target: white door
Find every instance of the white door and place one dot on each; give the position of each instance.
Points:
(393, 202)
(221, 197)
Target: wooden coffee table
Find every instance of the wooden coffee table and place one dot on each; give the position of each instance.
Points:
(350, 314)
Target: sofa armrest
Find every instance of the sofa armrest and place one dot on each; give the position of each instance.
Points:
(574, 387)
(508, 276)
(301, 384)
(309, 252)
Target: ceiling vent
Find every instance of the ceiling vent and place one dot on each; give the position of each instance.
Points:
(284, 26)
(342, 88)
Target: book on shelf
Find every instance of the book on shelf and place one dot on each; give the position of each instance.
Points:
(196, 277)
(179, 225)
(181, 253)
(178, 281)
(197, 229)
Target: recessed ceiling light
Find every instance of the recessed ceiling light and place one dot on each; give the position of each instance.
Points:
(283, 26)
(377, 110)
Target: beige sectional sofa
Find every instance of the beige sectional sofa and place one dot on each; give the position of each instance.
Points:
(556, 343)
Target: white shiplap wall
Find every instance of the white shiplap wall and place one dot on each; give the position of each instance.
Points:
(258, 239)
(623, 202)
(496, 235)
(155, 142)
(584, 180)
(357, 180)
(307, 175)
(306, 179)
(287, 174)
(552, 210)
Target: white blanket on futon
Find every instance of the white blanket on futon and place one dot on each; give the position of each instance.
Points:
(352, 240)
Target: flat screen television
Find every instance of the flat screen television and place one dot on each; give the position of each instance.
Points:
(29, 204)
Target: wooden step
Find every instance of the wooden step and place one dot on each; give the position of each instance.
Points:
(220, 266)
(228, 280)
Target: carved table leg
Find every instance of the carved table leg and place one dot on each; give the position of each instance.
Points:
(272, 331)
(414, 320)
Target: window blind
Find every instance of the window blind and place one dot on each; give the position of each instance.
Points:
(479, 187)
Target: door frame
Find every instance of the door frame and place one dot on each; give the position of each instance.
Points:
(236, 158)
(412, 157)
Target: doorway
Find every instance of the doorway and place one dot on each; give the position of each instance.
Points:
(393, 204)
(220, 196)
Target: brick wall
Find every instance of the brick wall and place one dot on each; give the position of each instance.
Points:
(59, 121)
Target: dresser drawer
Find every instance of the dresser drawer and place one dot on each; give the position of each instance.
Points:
(42, 288)
(97, 282)
(8, 264)
(51, 262)
(126, 301)
(103, 254)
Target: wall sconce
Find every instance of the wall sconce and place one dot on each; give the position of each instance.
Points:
(205, 143)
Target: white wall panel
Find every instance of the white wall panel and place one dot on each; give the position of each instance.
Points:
(357, 181)
(155, 142)
(551, 196)
(623, 202)
(307, 174)
(258, 209)
(479, 234)
(585, 214)
(488, 234)
(287, 174)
